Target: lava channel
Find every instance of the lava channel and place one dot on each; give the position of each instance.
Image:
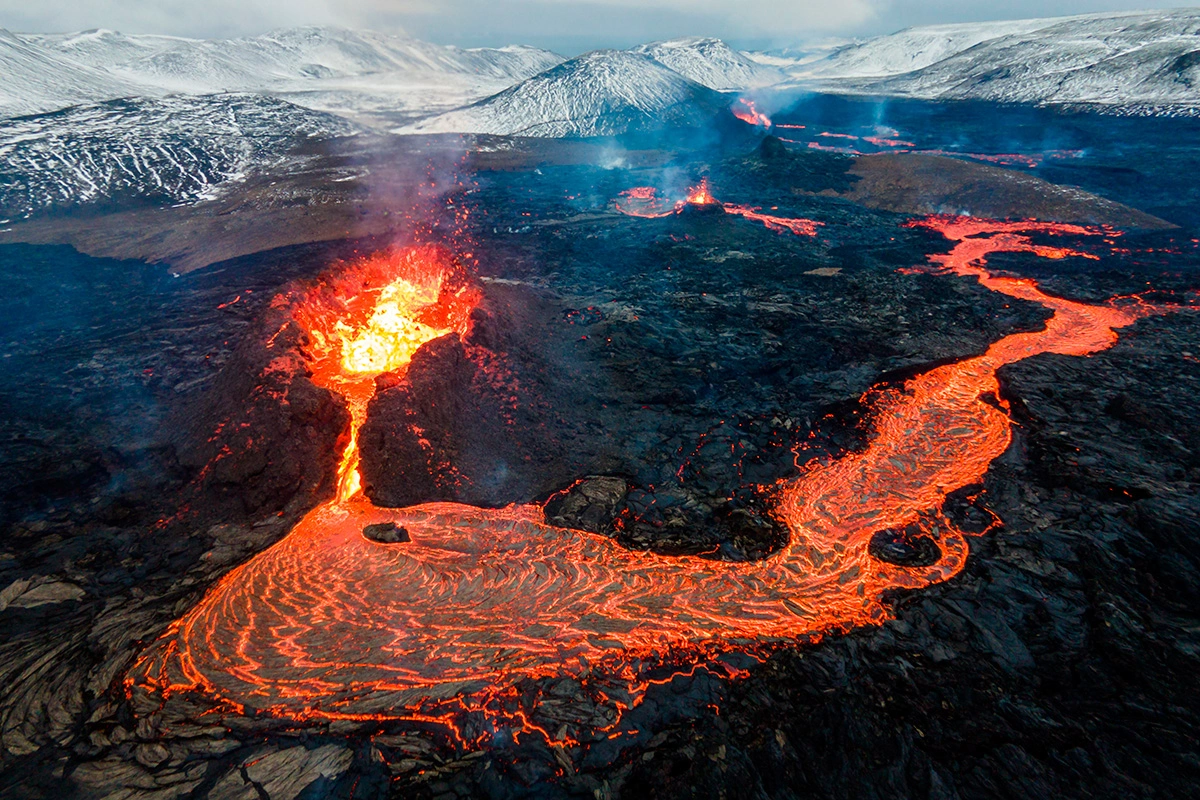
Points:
(328, 624)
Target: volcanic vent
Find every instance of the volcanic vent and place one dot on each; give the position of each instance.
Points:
(371, 321)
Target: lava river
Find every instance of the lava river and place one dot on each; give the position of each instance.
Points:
(329, 624)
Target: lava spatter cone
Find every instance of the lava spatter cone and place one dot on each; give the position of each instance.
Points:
(700, 202)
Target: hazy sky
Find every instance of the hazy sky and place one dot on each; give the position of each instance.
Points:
(568, 26)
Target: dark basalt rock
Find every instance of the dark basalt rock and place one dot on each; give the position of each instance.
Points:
(772, 149)
(417, 425)
(482, 331)
(583, 316)
(739, 528)
(904, 548)
(1126, 409)
(700, 210)
(502, 416)
(747, 518)
(1054, 665)
(263, 433)
(386, 533)
(590, 504)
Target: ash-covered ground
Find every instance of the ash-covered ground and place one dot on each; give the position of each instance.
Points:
(681, 362)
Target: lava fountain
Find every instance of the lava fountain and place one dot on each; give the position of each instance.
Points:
(700, 196)
(328, 624)
(371, 322)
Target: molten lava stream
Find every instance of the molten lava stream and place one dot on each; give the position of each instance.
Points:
(329, 624)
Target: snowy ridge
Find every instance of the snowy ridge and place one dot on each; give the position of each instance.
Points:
(910, 49)
(171, 150)
(306, 65)
(711, 63)
(1147, 60)
(602, 93)
(35, 80)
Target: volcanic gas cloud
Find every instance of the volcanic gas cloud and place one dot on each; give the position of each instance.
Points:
(328, 624)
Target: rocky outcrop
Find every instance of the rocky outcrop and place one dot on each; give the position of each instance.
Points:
(923, 184)
(467, 421)
(264, 435)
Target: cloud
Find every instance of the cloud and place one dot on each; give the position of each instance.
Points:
(763, 14)
(569, 26)
(466, 21)
(575, 25)
(202, 18)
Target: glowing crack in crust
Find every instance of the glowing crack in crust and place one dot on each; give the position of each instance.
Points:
(327, 624)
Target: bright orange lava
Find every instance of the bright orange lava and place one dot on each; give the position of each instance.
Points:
(328, 624)
(373, 322)
(641, 201)
(747, 112)
(797, 225)
(700, 195)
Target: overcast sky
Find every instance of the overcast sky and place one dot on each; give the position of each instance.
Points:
(568, 26)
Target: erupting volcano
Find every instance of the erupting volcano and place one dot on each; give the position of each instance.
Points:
(329, 624)
(643, 201)
(372, 321)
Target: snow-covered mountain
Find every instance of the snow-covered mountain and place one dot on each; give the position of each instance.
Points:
(602, 93)
(322, 68)
(174, 149)
(712, 63)
(897, 53)
(1134, 60)
(289, 54)
(35, 80)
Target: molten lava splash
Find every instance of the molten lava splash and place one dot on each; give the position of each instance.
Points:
(824, 148)
(700, 195)
(391, 335)
(328, 624)
(888, 141)
(747, 112)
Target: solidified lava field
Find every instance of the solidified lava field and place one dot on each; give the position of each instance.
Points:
(743, 471)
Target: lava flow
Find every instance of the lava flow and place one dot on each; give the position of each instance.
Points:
(328, 624)
(643, 201)
(747, 112)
